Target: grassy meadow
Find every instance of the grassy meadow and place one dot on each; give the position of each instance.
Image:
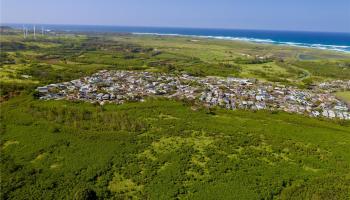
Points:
(160, 148)
(344, 96)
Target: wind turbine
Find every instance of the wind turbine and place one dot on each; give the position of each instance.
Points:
(24, 32)
(34, 32)
(42, 31)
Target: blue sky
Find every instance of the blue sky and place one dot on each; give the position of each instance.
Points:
(311, 15)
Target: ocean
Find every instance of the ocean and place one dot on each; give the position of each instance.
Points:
(319, 40)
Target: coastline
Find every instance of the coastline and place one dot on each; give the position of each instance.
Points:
(338, 42)
(338, 48)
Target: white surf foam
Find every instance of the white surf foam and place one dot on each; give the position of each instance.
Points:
(339, 48)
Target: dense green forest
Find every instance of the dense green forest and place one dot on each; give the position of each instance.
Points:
(164, 149)
(161, 148)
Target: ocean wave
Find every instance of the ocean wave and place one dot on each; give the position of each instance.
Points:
(339, 48)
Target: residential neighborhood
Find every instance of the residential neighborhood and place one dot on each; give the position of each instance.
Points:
(230, 93)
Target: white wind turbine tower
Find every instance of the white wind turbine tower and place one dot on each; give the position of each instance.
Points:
(42, 31)
(34, 32)
(24, 32)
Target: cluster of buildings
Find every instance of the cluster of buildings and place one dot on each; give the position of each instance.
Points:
(231, 93)
(333, 86)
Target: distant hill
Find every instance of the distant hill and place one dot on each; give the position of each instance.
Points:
(6, 28)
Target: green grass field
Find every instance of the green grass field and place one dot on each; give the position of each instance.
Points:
(344, 95)
(200, 57)
(164, 149)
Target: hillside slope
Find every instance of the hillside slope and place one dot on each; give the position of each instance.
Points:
(163, 149)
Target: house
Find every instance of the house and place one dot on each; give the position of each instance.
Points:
(99, 96)
(259, 98)
(43, 89)
(331, 114)
(105, 97)
(341, 108)
(325, 113)
(315, 113)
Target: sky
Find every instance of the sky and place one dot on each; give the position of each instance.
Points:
(296, 15)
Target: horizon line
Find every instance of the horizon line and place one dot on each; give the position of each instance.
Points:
(183, 27)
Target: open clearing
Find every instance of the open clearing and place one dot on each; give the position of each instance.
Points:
(344, 96)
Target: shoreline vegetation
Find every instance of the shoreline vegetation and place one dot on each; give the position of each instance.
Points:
(164, 148)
